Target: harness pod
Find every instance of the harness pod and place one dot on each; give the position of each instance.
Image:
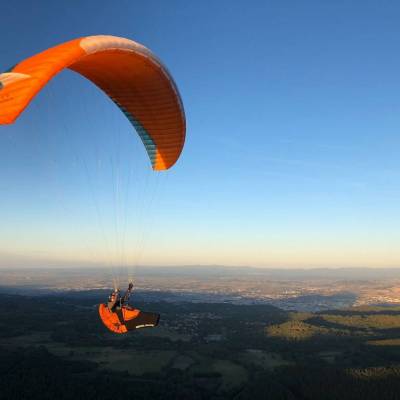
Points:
(126, 319)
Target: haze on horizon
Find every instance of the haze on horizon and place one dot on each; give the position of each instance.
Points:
(291, 158)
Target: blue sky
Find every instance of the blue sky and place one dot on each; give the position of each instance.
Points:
(291, 158)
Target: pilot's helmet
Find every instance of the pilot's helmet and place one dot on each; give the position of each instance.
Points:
(112, 296)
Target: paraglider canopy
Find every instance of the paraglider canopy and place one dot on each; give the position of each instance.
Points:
(130, 74)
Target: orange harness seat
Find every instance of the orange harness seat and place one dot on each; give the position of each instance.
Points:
(126, 319)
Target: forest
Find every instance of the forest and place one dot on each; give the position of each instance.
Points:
(54, 346)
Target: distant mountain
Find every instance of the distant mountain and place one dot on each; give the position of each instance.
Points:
(212, 271)
(360, 273)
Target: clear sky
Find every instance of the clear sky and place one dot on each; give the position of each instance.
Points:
(292, 151)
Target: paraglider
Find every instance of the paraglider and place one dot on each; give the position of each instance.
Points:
(139, 84)
(119, 317)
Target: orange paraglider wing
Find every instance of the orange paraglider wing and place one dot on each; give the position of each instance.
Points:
(127, 319)
(126, 71)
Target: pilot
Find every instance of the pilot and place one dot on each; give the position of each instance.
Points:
(115, 301)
